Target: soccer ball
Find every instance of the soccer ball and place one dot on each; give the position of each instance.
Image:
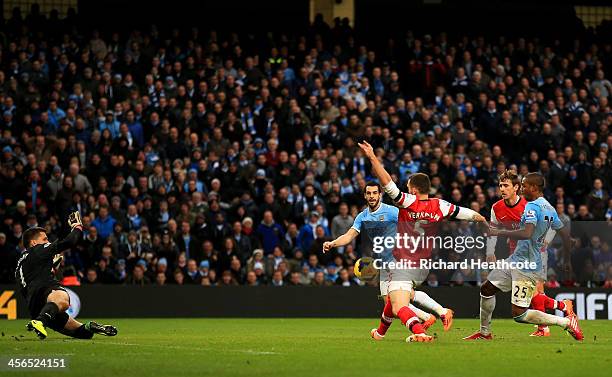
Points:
(364, 269)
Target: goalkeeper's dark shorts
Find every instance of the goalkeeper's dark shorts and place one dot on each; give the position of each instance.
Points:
(39, 299)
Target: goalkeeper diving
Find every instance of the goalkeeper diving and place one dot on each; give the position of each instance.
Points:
(47, 300)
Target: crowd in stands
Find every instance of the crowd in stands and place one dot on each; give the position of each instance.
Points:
(219, 158)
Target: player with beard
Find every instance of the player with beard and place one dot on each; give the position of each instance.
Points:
(417, 213)
(378, 212)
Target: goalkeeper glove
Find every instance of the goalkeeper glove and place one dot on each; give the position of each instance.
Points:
(74, 220)
(57, 261)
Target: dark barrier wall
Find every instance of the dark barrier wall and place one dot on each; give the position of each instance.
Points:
(196, 301)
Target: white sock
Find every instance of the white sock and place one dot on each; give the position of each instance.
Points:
(540, 318)
(428, 303)
(487, 305)
(423, 316)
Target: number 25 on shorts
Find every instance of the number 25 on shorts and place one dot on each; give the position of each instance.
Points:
(522, 292)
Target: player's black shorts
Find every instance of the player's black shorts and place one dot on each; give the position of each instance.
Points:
(39, 299)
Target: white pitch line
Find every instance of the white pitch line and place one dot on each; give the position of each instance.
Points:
(251, 352)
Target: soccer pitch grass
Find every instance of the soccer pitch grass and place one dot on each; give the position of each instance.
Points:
(310, 347)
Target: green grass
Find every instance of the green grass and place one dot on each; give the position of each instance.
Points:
(312, 347)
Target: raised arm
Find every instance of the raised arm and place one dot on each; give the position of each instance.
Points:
(400, 198)
(71, 240)
(377, 167)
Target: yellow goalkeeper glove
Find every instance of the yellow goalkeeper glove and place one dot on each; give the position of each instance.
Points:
(74, 220)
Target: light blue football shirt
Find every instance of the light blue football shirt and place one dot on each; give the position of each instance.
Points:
(384, 213)
(375, 225)
(540, 213)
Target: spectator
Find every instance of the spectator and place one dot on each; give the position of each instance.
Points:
(344, 279)
(552, 279)
(341, 222)
(308, 233)
(319, 279)
(91, 277)
(277, 279)
(179, 277)
(270, 233)
(138, 275)
(227, 279)
(105, 274)
(8, 259)
(193, 274)
(81, 182)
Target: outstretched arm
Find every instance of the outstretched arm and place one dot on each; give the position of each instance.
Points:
(519, 234)
(343, 240)
(464, 213)
(492, 240)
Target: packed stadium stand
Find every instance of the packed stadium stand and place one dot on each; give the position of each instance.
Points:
(210, 157)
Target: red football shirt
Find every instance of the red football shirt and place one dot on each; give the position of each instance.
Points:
(508, 217)
(418, 219)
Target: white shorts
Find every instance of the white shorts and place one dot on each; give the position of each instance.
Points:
(404, 280)
(521, 285)
(387, 287)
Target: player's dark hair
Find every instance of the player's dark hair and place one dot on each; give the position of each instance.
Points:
(421, 182)
(537, 180)
(510, 175)
(372, 184)
(31, 234)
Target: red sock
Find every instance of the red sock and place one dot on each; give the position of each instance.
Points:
(560, 305)
(550, 303)
(409, 319)
(538, 302)
(386, 319)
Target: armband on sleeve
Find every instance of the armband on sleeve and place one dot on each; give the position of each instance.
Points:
(465, 213)
(392, 190)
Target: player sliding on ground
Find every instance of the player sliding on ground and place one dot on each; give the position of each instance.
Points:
(506, 214)
(539, 216)
(46, 298)
(378, 212)
(414, 206)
